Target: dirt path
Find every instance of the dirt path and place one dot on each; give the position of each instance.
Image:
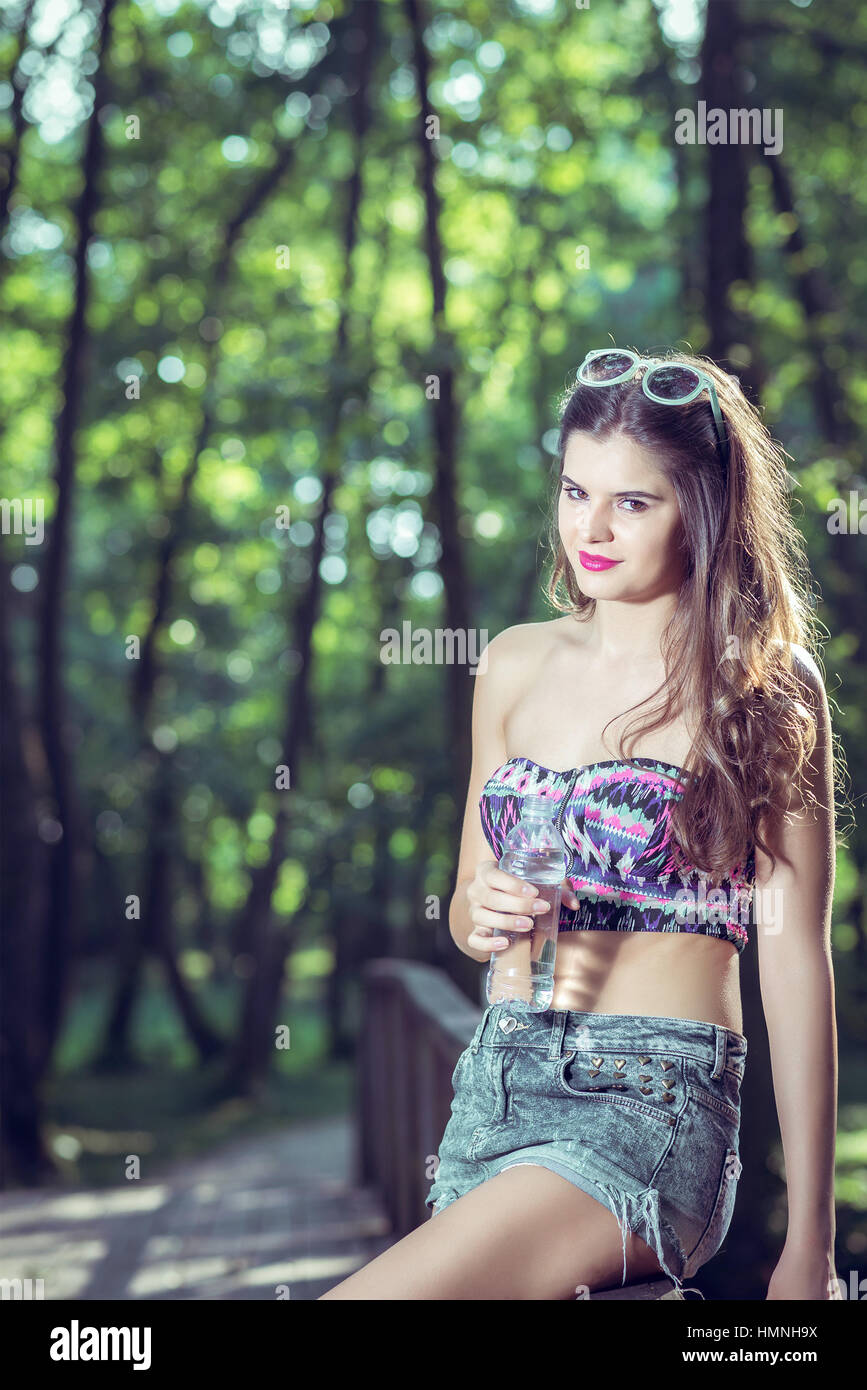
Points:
(261, 1213)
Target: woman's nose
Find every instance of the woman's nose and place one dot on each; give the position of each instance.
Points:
(594, 528)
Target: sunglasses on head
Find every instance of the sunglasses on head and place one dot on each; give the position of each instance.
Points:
(668, 382)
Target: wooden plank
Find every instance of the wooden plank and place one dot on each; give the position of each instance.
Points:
(655, 1289)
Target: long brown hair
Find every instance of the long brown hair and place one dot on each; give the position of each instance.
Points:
(745, 598)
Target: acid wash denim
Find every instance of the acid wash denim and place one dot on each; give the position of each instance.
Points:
(642, 1113)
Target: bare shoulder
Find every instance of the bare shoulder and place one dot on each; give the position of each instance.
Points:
(507, 665)
(812, 685)
(807, 672)
(818, 770)
(511, 648)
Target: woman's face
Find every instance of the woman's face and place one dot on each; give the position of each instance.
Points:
(615, 504)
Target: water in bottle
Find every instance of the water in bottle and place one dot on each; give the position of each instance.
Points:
(522, 973)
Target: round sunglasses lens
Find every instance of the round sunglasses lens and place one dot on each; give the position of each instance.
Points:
(607, 367)
(672, 383)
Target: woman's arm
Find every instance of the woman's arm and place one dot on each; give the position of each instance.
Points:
(793, 919)
(503, 661)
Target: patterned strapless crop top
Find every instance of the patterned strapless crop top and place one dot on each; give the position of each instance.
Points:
(614, 819)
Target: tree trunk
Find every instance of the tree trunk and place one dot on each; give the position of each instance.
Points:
(16, 115)
(444, 355)
(24, 1158)
(63, 854)
(154, 933)
(729, 254)
(262, 941)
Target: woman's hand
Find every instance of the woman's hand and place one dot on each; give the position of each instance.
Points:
(802, 1273)
(501, 902)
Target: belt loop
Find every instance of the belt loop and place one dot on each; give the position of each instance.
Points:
(719, 1063)
(477, 1036)
(558, 1028)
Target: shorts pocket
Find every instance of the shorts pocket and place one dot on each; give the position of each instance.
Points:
(488, 1105)
(720, 1093)
(650, 1087)
(633, 1133)
(459, 1068)
(496, 1099)
(719, 1220)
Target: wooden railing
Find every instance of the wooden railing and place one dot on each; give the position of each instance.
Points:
(415, 1025)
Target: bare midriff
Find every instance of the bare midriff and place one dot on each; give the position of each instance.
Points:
(660, 974)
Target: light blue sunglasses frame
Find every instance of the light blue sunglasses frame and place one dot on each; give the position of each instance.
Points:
(704, 382)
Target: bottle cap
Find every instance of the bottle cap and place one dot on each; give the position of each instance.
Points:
(535, 805)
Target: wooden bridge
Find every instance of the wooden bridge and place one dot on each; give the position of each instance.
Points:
(281, 1216)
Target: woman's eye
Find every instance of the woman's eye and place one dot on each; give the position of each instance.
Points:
(636, 504)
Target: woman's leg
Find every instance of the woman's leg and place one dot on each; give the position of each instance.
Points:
(528, 1233)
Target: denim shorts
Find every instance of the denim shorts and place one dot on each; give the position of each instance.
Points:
(641, 1113)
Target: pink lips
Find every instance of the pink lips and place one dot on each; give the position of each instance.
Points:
(595, 562)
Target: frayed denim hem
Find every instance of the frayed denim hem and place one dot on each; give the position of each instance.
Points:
(635, 1213)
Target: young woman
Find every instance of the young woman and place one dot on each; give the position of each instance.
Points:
(596, 1143)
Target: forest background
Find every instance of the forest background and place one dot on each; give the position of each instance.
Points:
(289, 292)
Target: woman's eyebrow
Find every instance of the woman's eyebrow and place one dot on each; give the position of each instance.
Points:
(629, 492)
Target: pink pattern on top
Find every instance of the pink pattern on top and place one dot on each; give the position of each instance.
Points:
(615, 819)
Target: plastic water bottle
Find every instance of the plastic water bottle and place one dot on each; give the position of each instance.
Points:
(522, 973)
